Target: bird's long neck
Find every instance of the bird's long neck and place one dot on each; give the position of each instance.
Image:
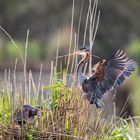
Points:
(80, 66)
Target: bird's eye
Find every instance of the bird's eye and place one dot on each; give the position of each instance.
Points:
(84, 48)
(81, 49)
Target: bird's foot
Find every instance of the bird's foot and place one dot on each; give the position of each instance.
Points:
(99, 103)
(100, 106)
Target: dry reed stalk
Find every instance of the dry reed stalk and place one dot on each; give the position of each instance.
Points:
(40, 119)
(25, 67)
(73, 58)
(39, 83)
(71, 35)
(29, 88)
(34, 88)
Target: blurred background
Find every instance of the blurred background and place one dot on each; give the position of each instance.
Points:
(119, 27)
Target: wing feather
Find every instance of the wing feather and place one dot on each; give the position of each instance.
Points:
(115, 70)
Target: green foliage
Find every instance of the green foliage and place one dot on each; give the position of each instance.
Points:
(11, 52)
(29, 137)
(135, 95)
(5, 108)
(34, 50)
(134, 50)
(120, 134)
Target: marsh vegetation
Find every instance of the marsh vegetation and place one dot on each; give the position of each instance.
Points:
(62, 113)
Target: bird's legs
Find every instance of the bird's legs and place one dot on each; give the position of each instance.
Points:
(94, 100)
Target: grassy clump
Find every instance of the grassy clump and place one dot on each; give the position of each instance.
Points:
(64, 114)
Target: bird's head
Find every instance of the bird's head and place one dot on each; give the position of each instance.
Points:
(84, 52)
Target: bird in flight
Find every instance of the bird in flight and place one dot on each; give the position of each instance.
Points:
(106, 75)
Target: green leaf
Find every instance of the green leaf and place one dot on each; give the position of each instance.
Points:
(67, 123)
(29, 137)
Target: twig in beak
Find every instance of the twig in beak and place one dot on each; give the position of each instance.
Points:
(64, 55)
(74, 54)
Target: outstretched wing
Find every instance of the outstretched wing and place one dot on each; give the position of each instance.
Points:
(108, 75)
